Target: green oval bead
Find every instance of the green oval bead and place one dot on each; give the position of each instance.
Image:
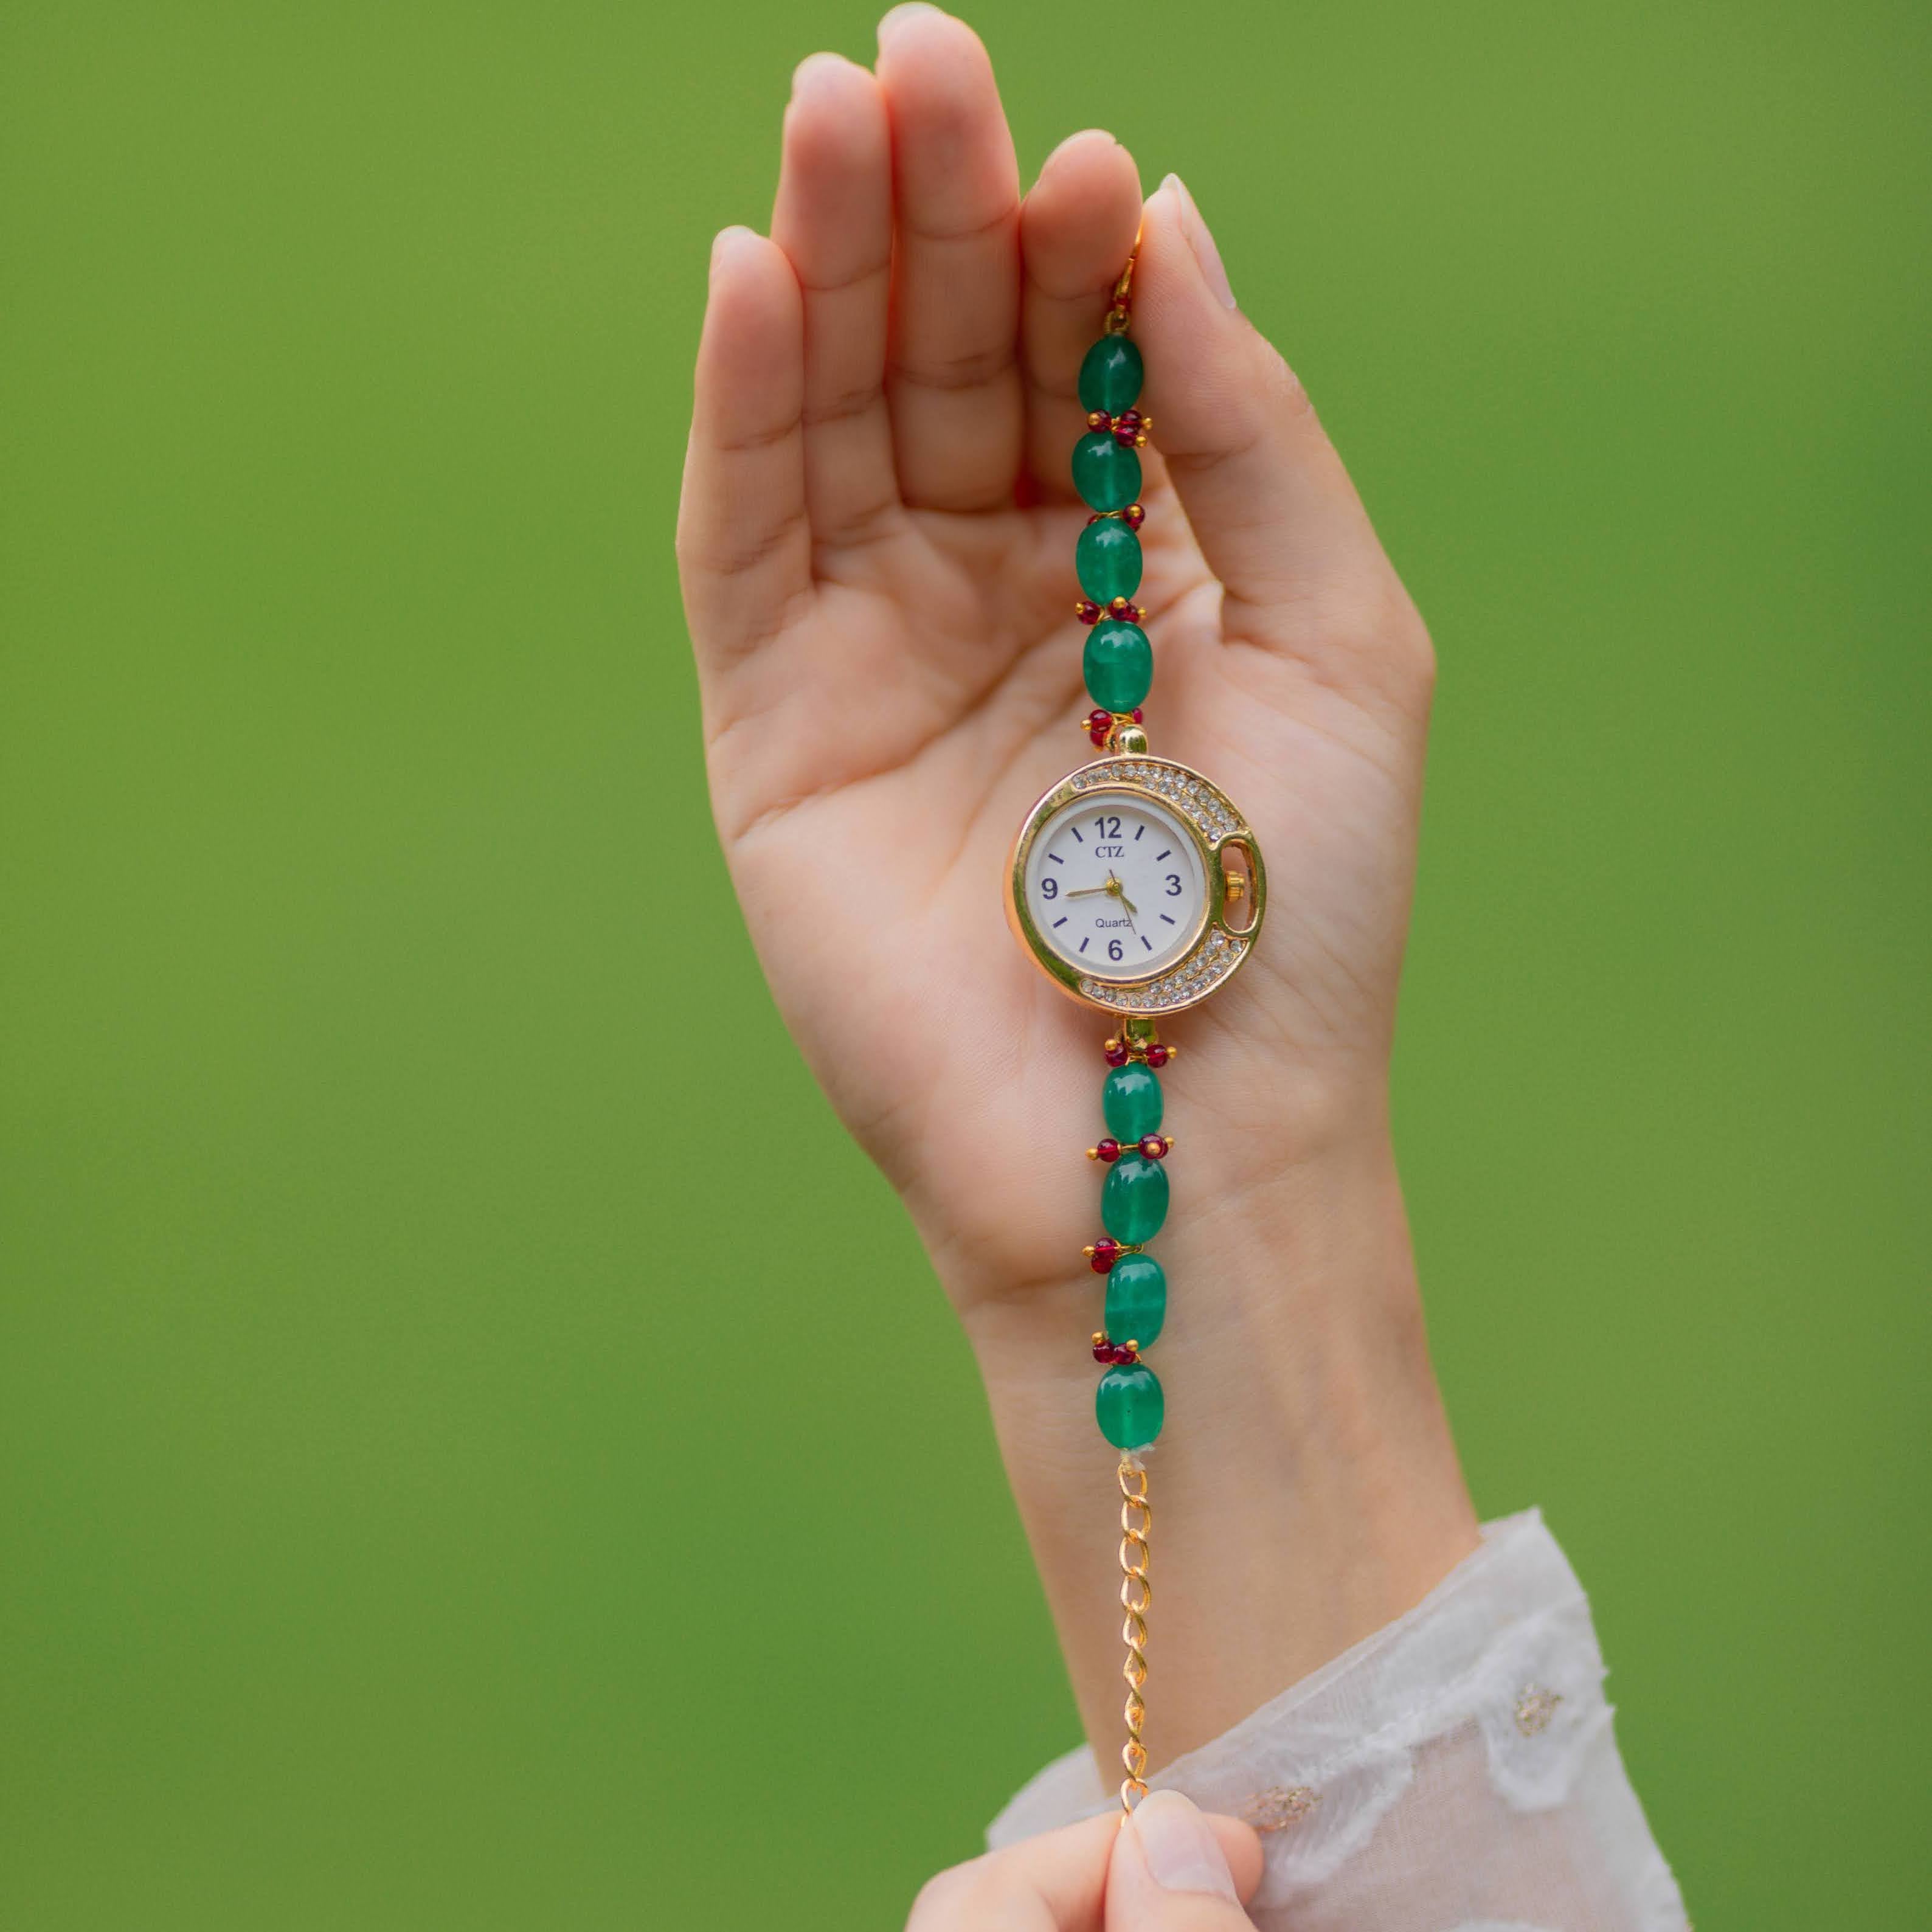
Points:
(1133, 1203)
(1107, 476)
(1128, 1405)
(1110, 375)
(1136, 1300)
(1118, 663)
(1131, 1100)
(1107, 557)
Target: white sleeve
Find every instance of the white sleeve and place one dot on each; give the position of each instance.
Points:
(1455, 1772)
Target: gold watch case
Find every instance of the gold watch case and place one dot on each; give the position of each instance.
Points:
(1237, 894)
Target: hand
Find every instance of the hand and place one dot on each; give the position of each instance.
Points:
(1169, 1869)
(876, 543)
(1113, 889)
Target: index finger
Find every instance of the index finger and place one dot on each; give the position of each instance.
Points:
(1056, 1882)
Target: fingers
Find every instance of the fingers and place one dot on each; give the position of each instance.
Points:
(1187, 1879)
(1174, 1870)
(744, 549)
(833, 218)
(1077, 229)
(1053, 1883)
(1276, 517)
(952, 378)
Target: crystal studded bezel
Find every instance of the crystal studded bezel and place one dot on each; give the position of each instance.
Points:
(1208, 817)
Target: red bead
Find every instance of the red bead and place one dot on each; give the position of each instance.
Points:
(1097, 717)
(1086, 612)
(1103, 1350)
(1097, 737)
(1154, 1147)
(1133, 516)
(1120, 607)
(1098, 419)
(1109, 1150)
(1114, 1053)
(1127, 428)
(1156, 1055)
(1137, 718)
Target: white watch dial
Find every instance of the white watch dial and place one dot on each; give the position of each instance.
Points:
(1115, 885)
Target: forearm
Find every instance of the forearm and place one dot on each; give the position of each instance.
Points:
(1305, 1489)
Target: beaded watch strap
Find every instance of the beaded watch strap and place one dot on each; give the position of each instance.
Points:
(1118, 666)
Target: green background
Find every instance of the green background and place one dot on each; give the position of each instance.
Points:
(479, 1446)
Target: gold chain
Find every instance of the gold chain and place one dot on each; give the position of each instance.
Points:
(1120, 310)
(1136, 1594)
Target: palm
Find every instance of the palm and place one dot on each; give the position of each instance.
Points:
(873, 750)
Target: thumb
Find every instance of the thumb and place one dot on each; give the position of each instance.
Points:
(1172, 1870)
(1266, 496)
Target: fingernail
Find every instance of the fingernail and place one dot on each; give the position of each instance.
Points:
(1181, 1853)
(898, 16)
(727, 239)
(1206, 255)
(811, 71)
(1085, 134)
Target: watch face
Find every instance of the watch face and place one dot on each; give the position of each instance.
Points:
(1135, 885)
(1115, 885)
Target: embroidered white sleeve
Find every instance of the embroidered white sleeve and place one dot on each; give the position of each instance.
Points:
(1455, 1772)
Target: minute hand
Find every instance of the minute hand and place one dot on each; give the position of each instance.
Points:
(1087, 892)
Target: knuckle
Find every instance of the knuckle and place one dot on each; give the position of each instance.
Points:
(1411, 649)
(947, 1897)
(854, 400)
(1366, 637)
(1282, 388)
(963, 369)
(1197, 1912)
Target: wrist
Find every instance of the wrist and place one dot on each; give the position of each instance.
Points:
(1305, 1487)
